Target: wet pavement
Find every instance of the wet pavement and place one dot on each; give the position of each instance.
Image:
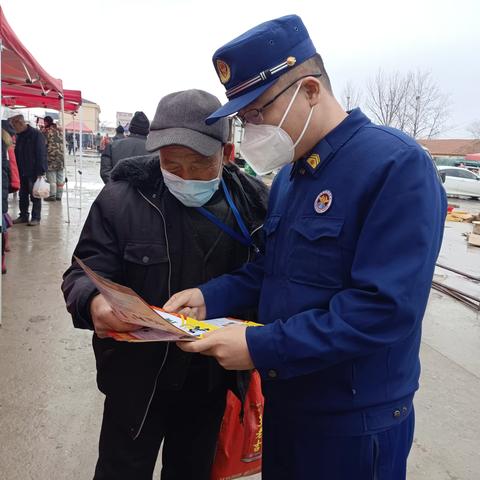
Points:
(50, 409)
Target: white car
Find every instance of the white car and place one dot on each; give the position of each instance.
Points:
(460, 181)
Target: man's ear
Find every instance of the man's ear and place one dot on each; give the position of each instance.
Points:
(314, 90)
(228, 153)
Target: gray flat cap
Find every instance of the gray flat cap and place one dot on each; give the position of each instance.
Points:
(180, 120)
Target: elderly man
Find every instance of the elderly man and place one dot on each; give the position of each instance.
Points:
(31, 154)
(164, 223)
(347, 272)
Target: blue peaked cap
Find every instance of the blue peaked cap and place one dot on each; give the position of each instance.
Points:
(251, 63)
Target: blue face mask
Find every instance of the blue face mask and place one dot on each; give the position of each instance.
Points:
(192, 193)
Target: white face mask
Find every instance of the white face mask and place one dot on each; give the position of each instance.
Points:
(267, 147)
(192, 193)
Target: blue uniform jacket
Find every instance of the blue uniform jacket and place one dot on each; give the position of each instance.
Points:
(343, 293)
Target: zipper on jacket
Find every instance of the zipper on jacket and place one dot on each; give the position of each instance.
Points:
(139, 431)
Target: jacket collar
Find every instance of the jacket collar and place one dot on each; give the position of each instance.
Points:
(141, 171)
(28, 130)
(331, 143)
(136, 135)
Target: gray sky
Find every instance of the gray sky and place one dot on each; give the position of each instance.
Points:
(126, 55)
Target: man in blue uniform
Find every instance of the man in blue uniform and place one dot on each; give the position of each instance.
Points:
(354, 227)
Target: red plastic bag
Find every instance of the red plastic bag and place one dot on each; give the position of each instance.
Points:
(239, 449)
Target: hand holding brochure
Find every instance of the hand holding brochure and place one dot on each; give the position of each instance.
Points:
(157, 325)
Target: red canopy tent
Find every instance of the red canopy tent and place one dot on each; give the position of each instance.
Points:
(24, 81)
(19, 67)
(78, 126)
(19, 96)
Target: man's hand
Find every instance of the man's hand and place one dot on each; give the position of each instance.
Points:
(228, 345)
(105, 320)
(189, 303)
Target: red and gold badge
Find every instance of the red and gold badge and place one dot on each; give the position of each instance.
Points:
(223, 71)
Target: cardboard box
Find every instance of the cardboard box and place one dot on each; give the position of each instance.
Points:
(474, 240)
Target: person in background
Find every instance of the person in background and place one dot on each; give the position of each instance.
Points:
(119, 134)
(70, 143)
(98, 141)
(6, 144)
(31, 155)
(104, 142)
(55, 159)
(131, 146)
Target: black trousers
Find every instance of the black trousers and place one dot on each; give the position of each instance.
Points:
(187, 421)
(25, 195)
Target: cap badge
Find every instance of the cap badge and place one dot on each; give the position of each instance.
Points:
(223, 71)
(323, 202)
(291, 61)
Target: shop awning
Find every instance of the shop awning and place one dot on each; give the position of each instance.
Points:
(75, 125)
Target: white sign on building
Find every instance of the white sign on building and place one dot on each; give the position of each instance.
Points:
(123, 119)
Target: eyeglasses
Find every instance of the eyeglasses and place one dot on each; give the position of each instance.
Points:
(255, 115)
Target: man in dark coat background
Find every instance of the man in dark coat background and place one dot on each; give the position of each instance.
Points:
(131, 146)
(31, 154)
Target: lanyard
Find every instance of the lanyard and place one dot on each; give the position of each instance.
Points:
(244, 238)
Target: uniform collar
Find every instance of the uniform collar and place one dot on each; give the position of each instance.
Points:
(331, 143)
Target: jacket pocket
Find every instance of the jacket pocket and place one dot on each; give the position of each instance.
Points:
(315, 255)
(146, 270)
(145, 254)
(123, 367)
(269, 228)
(106, 354)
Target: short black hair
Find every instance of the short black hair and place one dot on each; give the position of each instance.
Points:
(311, 66)
(120, 129)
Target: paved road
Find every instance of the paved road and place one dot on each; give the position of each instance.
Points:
(50, 409)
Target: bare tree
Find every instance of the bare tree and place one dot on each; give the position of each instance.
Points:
(428, 107)
(411, 102)
(351, 96)
(474, 129)
(386, 97)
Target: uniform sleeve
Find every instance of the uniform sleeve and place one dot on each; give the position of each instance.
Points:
(98, 248)
(390, 280)
(235, 292)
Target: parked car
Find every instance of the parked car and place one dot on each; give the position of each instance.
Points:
(441, 175)
(460, 181)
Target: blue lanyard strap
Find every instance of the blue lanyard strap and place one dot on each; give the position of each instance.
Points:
(245, 238)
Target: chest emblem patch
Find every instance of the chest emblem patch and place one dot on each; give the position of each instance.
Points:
(323, 202)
